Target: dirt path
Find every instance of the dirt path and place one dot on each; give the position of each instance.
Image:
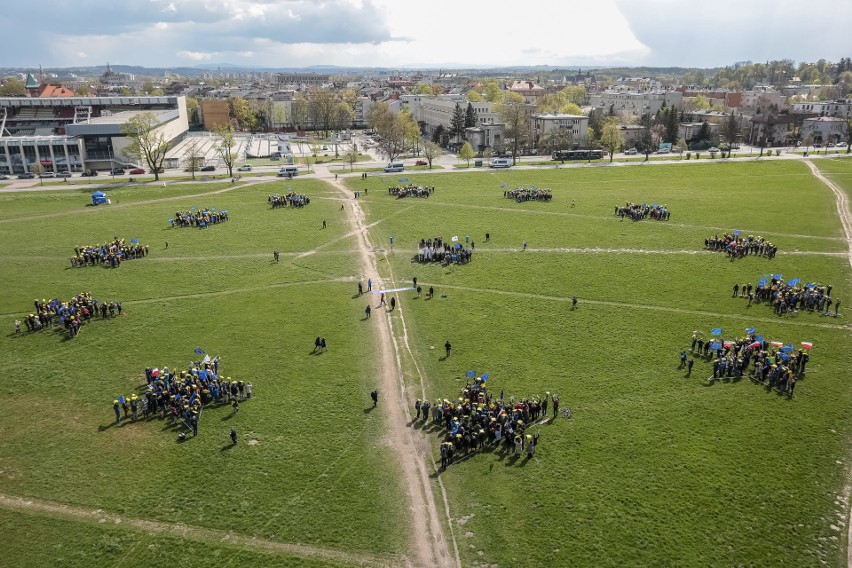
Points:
(842, 202)
(199, 534)
(429, 546)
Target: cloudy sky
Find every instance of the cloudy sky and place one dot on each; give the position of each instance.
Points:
(427, 33)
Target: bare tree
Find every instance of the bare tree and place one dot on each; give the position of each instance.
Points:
(431, 151)
(513, 113)
(225, 146)
(192, 158)
(147, 142)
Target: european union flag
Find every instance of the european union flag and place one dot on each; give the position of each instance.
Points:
(715, 345)
(794, 281)
(485, 377)
(737, 233)
(471, 373)
(199, 350)
(776, 276)
(751, 329)
(759, 338)
(716, 331)
(762, 282)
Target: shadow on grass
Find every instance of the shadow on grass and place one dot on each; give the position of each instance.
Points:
(369, 409)
(228, 416)
(226, 447)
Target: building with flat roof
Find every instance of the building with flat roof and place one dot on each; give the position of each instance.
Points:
(78, 133)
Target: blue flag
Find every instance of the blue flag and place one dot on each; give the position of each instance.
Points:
(751, 329)
(777, 276)
(759, 338)
(485, 378)
(471, 373)
(716, 331)
(199, 350)
(762, 282)
(794, 281)
(715, 345)
(784, 357)
(737, 233)
(134, 241)
(787, 349)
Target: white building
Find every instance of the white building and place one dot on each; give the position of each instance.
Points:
(824, 129)
(432, 110)
(542, 125)
(635, 103)
(824, 108)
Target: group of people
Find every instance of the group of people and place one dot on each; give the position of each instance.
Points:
(436, 250)
(183, 395)
(521, 194)
(200, 218)
(291, 199)
(108, 254)
(71, 314)
(737, 246)
(773, 364)
(790, 297)
(477, 419)
(411, 190)
(640, 211)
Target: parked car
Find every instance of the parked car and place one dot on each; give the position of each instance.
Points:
(65, 174)
(713, 149)
(118, 172)
(90, 173)
(421, 163)
(26, 175)
(631, 152)
(137, 171)
(3, 177)
(208, 169)
(47, 175)
(244, 168)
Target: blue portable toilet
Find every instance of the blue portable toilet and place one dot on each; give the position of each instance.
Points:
(99, 197)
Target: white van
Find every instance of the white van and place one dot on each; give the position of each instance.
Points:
(288, 171)
(394, 167)
(500, 163)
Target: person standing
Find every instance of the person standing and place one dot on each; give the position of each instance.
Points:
(544, 404)
(360, 288)
(555, 404)
(17, 327)
(525, 245)
(393, 303)
(233, 436)
(369, 285)
(275, 255)
(682, 359)
(447, 347)
(367, 311)
(573, 302)
(117, 408)
(417, 408)
(375, 396)
(689, 365)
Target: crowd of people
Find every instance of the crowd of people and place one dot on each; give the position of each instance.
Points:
(108, 254)
(478, 420)
(436, 250)
(772, 363)
(411, 190)
(291, 199)
(641, 211)
(737, 246)
(521, 194)
(182, 395)
(789, 297)
(200, 218)
(70, 315)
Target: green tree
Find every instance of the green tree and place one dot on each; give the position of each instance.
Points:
(322, 105)
(457, 123)
(466, 152)
(470, 118)
(473, 95)
(423, 89)
(299, 111)
(672, 125)
(438, 134)
(83, 91)
(730, 128)
(431, 151)
(226, 146)
(12, 87)
(412, 133)
(611, 138)
(514, 115)
(192, 109)
(148, 143)
(241, 109)
(596, 121)
(493, 93)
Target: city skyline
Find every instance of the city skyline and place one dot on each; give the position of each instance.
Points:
(383, 33)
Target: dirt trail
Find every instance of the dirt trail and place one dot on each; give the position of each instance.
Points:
(842, 202)
(429, 546)
(200, 534)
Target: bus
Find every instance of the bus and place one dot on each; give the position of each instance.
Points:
(288, 171)
(578, 155)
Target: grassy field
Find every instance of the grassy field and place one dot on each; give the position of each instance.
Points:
(318, 471)
(655, 468)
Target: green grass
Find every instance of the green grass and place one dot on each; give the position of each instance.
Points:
(320, 473)
(654, 468)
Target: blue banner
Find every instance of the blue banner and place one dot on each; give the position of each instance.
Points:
(762, 282)
(716, 331)
(794, 281)
(737, 233)
(471, 373)
(759, 338)
(199, 350)
(485, 377)
(751, 329)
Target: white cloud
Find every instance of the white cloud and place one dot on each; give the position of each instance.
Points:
(196, 55)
